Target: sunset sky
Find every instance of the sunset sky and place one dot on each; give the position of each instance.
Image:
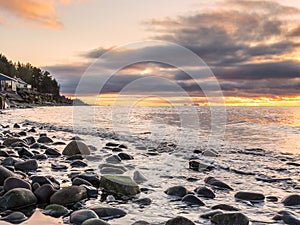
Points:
(251, 46)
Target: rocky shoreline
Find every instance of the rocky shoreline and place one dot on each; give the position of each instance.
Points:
(40, 171)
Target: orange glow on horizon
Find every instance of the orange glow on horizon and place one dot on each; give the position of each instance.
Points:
(115, 99)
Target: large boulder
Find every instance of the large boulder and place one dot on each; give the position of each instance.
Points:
(17, 198)
(76, 147)
(68, 195)
(230, 219)
(122, 185)
(4, 174)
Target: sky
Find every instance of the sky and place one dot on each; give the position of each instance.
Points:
(249, 49)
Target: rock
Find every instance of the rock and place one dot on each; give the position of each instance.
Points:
(13, 182)
(205, 192)
(179, 220)
(141, 222)
(210, 214)
(15, 217)
(230, 219)
(76, 147)
(123, 185)
(125, 156)
(178, 191)
(217, 183)
(143, 201)
(52, 152)
(17, 198)
(79, 216)
(138, 177)
(292, 200)
(94, 221)
(225, 207)
(92, 178)
(111, 170)
(44, 140)
(196, 165)
(44, 192)
(78, 181)
(9, 141)
(108, 212)
(78, 163)
(4, 174)
(192, 200)
(68, 195)
(29, 165)
(113, 159)
(249, 196)
(55, 210)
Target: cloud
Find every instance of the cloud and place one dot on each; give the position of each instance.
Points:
(42, 12)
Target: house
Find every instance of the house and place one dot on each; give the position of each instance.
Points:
(21, 84)
(7, 83)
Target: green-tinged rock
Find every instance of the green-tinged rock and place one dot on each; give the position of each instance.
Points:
(123, 185)
(230, 219)
(4, 174)
(76, 147)
(180, 220)
(9, 141)
(55, 210)
(68, 195)
(94, 221)
(17, 198)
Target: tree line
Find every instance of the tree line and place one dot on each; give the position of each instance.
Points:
(40, 80)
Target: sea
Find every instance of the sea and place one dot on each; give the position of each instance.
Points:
(251, 140)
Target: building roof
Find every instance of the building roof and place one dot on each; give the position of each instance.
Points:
(5, 77)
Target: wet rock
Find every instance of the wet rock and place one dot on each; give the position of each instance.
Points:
(68, 195)
(113, 159)
(192, 200)
(9, 141)
(52, 152)
(13, 182)
(15, 217)
(249, 196)
(225, 207)
(217, 183)
(292, 200)
(138, 177)
(79, 216)
(111, 170)
(78, 163)
(230, 219)
(178, 191)
(109, 212)
(125, 156)
(179, 220)
(94, 221)
(197, 165)
(76, 147)
(29, 165)
(44, 192)
(143, 201)
(205, 192)
(141, 222)
(123, 185)
(44, 140)
(4, 174)
(17, 198)
(78, 181)
(24, 153)
(210, 214)
(55, 210)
